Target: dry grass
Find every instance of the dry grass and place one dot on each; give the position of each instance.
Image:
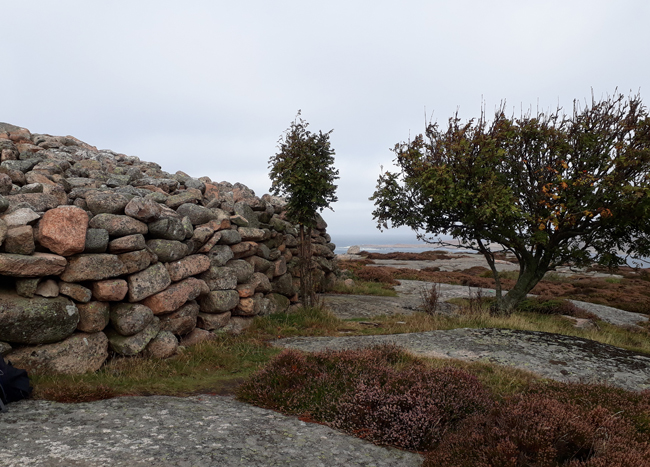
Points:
(364, 288)
(219, 366)
(211, 367)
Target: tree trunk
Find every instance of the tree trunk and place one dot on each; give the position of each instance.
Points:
(310, 277)
(529, 276)
(489, 257)
(306, 287)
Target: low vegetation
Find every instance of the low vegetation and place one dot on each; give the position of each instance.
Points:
(219, 366)
(364, 288)
(389, 397)
(211, 367)
(628, 292)
(385, 395)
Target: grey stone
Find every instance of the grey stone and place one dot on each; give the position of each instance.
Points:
(189, 228)
(284, 285)
(27, 287)
(36, 320)
(263, 284)
(77, 292)
(219, 255)
(198, 214)
(127, 243)
(30, 188)
(130, 318)
(78, 354)
(168, 229)
(96, 241)
(181, 321)
(242, 270)
(106, 202)
(239, 221)
(20, 240)
(166, 184)
(244, 210)
(118, 225)
(164, 345)
(555, 356)
(4, 204)
(175, 201)
(229, 237)
(143, 209)
(264, 251)
(219, 301)
(22, 166)
(194, 183)
(220, 278)
(81, 182)
(133, 345)
(5, 184)
(259, 264)
(92, 267)
(238, 324)
(280, 301)
(135, 261)
(157, 197)
(5, 348)
(152, 280)
(48, 288)
(22, 216)
(115, 181)
(212, 321)
(167, 250)
(251, 234)
(197, 336)
(39, 202)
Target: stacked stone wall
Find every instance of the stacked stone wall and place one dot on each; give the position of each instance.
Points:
(101, 251)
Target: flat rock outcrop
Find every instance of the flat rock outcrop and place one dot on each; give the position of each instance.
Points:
(223, 432)
(563, 358)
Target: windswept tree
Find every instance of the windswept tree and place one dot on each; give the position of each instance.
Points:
(303, 172)
(551, 189)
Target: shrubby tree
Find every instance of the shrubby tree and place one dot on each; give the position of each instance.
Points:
(550, 188)
(303, 172)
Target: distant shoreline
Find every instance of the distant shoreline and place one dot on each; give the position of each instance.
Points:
(397, 247)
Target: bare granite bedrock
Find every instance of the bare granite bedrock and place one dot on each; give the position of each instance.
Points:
(555, 356)
(161, 431)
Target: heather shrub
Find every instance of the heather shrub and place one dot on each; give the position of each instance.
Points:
(538, 431)
(311, 384)
(548, 306)
(412, 408)
(285, 384)
(633, 406)
(382, 393)
(376, 274)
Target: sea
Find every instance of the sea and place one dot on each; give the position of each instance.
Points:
(386, 244)
(377, 243)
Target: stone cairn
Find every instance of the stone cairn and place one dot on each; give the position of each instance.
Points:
(99, 251)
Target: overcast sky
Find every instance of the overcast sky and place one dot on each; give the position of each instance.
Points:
(208, 87)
